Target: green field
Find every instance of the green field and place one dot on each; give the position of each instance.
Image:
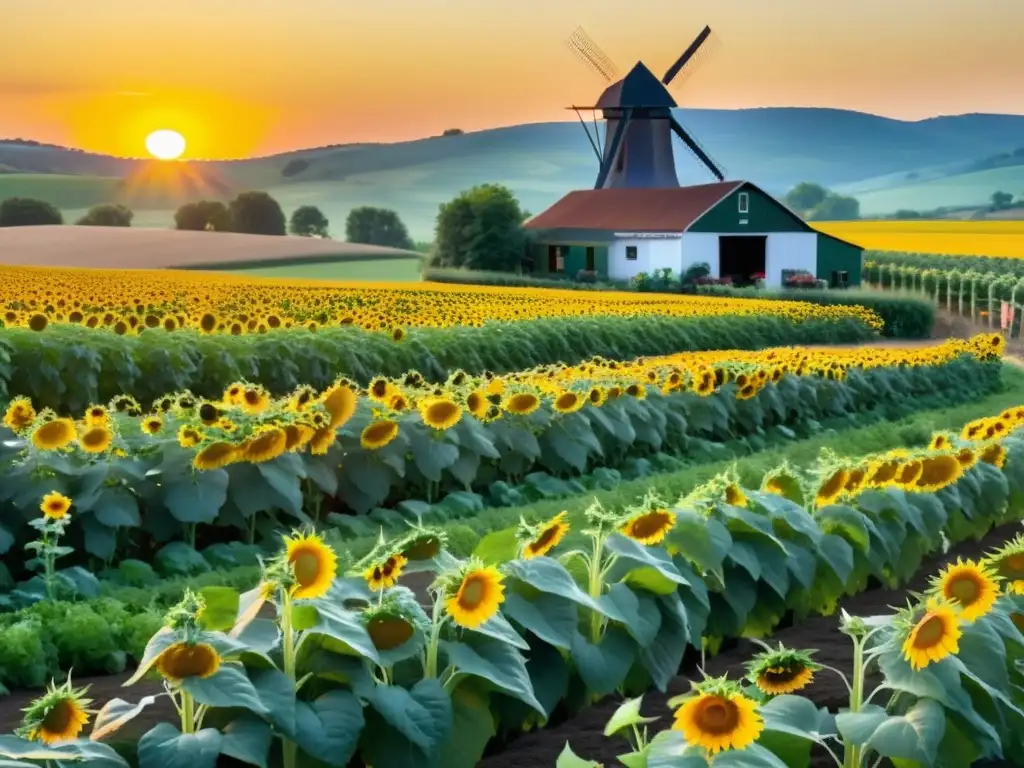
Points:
(65, 192)
(950, 191)
(375, 269)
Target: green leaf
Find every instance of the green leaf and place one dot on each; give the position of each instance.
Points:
(117, 507)
(497, 663)
(650, 579)
(221, 608)
(568, 759)
(797, 716)
(669, 750)
(163, 746)
(277, 698)
(604, 666)
(498, 547)
(248, 739)
(229, 686)
(157, 644)
(638, 612)
(549, 575)
(550, 617)
(626, 716)
(328, 729)
(422, 715)
(846, 522)
(703, 540)
(913, 736)
(640, 556)
(472, 728)
(663, 656)
(837, 552)
(498, 627)
(196, 498)
(333, 621)
(115, 713)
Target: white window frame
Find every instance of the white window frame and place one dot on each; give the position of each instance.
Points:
(743, 202)
(634, 250)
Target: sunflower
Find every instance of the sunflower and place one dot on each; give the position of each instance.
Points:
(152, 425)
(182, 661)
(96, 416)
(378, 434)
(734, 496)
(649, 527)
(340, 401)
(19, 414)
(422, 544)
(297, 435)
(782, 671)
(440, 412)
(567, 402)
(522, 403)
(215, 455)
(95, 439)
(940, 442)
(313, 564)
(385, 574)
(322, 441)
(57, 716)
(255, 399)
(543, 538)
(882, 472)
(933, 636)
(233, 394)
(719, 717)
(855, 480)
(993, 454)
(831, 489)
(477, 404)
(937, 472)
(474, 598)
(389, 625)
(55, 505)
(908, 474)
(967, 458)
(54, 434)
(1008, 560)
(189, 436)
(268, 443)
(969, 585)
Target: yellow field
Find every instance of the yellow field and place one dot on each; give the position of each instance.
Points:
(959, 238)
(129, 301)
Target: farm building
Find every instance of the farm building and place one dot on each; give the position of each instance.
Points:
(736, 228)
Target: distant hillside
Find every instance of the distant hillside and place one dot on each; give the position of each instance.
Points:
(774, 147)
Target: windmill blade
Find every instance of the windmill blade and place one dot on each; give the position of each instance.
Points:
(697, 150)
(587, 51)
(689, 53)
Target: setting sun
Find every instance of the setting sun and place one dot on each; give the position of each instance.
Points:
(165, 144)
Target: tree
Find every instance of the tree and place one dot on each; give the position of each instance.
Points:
(256, 213)
(308, 220)
(377, 226)
(28, 212)
(205, 215)
(805, 196)
(1001, 200)
(107, 215)
(294, 167)
(481, 229)
(836, 208)
(453, 132)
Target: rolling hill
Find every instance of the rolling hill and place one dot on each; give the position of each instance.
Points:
(774, 147)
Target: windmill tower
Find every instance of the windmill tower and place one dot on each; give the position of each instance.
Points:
(639, 123)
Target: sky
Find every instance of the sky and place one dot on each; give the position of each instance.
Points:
(252, 77)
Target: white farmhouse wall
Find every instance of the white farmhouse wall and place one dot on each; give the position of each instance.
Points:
(652, 254)
(790, 250)
(700, 247)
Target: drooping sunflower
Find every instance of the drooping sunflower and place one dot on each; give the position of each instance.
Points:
(567, 401)
(189, 436)
(993, 454)
(267, 443)
(474, 594)
(95, 439)
(152, 425)
(54, 434)
(55, 505)
(439, 412)
(389, 625)
(57, 716)
(937, 472)
(96, 415)
(385, 574)
(1008, 560)
(322, 440)
(522, 403)
(908, 473)
(882, 472)
(967, 458)
(421, 544)
(297, 435)
(970, 585)
(19, 414)
(215, 455)
(378, 434)
(782, 671)
(649, 527)
(313, 565)
(182, 661)
(538, 540)
(940, 442)
(932, 636)
(831, 489)
(255, 399)
(340, 401)
(734, 495)
(718, 717)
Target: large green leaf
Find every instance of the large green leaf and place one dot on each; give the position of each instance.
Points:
(705, 541)
(164, 746)
(416, 722)
(626, 716)
(912, 736)
(549, 575)
(321, 617)
(837, 553)
(638, 611)
(196, 498)
(498, 663)
(846, 522)
(550, 617)
(248, 739)
(472, 727)
(569, 759)
(604, 666)
(638, 556)
(229, 686)
(663, 656)
(330, 727)
(498, 547)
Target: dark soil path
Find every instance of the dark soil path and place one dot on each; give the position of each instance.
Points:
(585, 733)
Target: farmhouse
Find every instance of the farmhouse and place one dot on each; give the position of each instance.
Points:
(734, 227)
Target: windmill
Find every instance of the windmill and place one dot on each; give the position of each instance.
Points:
(637, 110)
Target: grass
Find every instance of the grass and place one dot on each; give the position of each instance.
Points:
(371, 269)
(967, 238)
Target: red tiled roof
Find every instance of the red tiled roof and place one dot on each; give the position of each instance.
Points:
(633, 210)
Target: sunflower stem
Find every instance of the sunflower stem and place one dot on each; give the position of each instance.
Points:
(188, 715)
(595, 587)
(288, 747)
(436, 620)
(852, 756)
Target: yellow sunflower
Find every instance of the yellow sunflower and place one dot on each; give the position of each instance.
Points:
(386, 574)
(831, 489)
(1008, 560)
(546, 537)
(440, 412)
(189, 436)
(932, 637)
(55, 505)
(313, 565)
(475, 598)
(967, 458)
(477, 404)
(734, 496)
(908, 474)
(96, 415)
(340, 401)
(937, 472)
(57, 716)
(378, 434)
(649, 527)
(95, 439)
(567, 402)
(993, 454)
(268, 443)
(152, 425)
(969, 585)
(215, 455)
(718, 721)
(19, 414)
(322, 441)
(522, 403)
(184, 660)
(54, 434)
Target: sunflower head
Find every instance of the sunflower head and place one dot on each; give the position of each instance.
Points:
(57, 716)
(784, 481)
(473, 593)
(422, 544)
(152, 424)
(184, 660)
(439, 412)
(938, 471)
(55, 506)
(1008, 560)
(19, 414)
(184, 617)
(391, 623)
(379, 433)
(385, 572)
(931, 632)
(53, 433)
(538, 540)
(308, 565)
(969, 585)
(734, 495)
(831, 487)
(718, 716)
(648, 526)
(782, 671)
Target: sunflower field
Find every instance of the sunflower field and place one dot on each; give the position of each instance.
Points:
(330, 659)
(188, 469)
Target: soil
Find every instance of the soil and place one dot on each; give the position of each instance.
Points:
(585, 732)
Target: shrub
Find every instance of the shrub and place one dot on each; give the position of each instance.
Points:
(309, 221)
(107, 215)
(28, 212)
(256, 213)
(204, 215)
(377, 226)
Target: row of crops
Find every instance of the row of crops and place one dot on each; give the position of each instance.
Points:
(325, 659)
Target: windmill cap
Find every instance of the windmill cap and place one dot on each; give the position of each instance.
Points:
(640, 88)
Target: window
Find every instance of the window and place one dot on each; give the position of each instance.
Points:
(744, 202)
(552, 258)
(630, 253)
(590, 258)
(560, 261)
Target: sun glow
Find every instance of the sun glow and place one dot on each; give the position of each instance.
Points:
(165, 144)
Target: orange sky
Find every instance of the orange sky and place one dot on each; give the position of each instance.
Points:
(244, 77)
